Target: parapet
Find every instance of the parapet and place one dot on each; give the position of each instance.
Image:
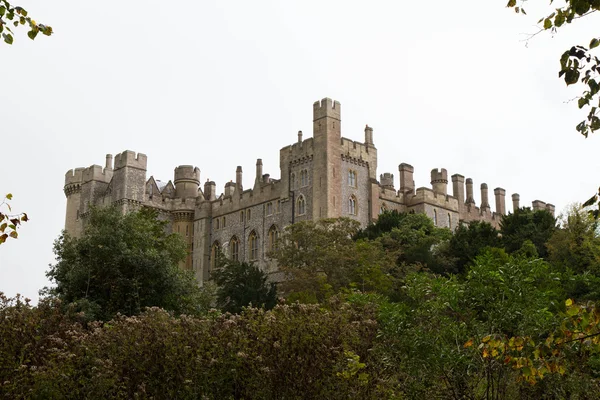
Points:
(96, 173)
(129, 158)
(406, 167)
(74, 176)
(326, 108)
(440, 176)
(387, 180)
(187, 173)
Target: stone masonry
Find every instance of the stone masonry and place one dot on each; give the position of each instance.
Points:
(324, 176)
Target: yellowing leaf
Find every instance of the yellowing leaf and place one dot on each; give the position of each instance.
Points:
(569, 302)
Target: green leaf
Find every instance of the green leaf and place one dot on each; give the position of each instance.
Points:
(594, 43)
(582, 102)
(511, 3)
(547, 23)
(9, 196)
(32, 33)
(2, 11)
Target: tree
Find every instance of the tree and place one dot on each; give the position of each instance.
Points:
(526, 224)
(122, 264)
(18, 16)
(469, 240)
(9, 222)
(241, 285)
(577, 64)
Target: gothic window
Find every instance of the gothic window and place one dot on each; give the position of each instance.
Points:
(435, 217)
(269, 208)
(224, 223)
(273, 237)
(248, 215)
(301, 205)
(293, 181)
(449, 221)
(217, 221)
(234, 248)
(278, 206)
(253, 246)
(352, 205)
(352, 178)
(304, 177)
(241, 216)
(215, 252)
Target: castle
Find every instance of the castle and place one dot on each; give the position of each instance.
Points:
(325, 176)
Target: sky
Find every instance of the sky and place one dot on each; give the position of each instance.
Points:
(221, 83)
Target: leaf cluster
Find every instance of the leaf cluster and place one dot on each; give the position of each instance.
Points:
(15, 16)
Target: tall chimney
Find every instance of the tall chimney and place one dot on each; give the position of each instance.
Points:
(238, 178)
(470, 198)
(515, 200)
(500, 195)
(368, 135)
(109, 161)
(484, 197)
(259, 169)
(458, 189)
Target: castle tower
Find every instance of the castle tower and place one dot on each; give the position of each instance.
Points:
(458, 190)
(439, 181)
(187, 181)
(327, 159)
(129, 180)
(72, 189)
(407, 184)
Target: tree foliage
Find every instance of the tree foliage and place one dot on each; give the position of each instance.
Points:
(468, 241)
(241, 284)
(9, 222)
(11, 15)
(122, 264)
(525, 224)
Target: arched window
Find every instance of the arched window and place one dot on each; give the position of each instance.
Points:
(301, 205)
(215, 253)
(449, 221)
(304, 178)
(293, 181)
(352, 205)
(435, 217)
(224, 223)
(269, 208)
(234, 248)
(248, 215)
(352, 178)
(217, 221)
(253, 246)
(273, 237)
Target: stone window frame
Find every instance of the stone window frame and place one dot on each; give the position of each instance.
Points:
(301, 205)
(435, 217)
(248, 215)
(273, 238)
(304, 178)
(269, 208)
(352, 205)
(293, 181)
(253, 246)
(223, 222)
(215, 250)
(234, 248)
(242, 216)
(217, 223)
(352, 178)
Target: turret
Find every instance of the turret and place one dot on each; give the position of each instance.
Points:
(485, 203)
(470, 199)
(72, 189)
(229, 189)
(129, 179)
(500, 195)
(458, 189)
(387, 180)
(210, 189)
(300, 138)
(515, 200)
(327, 161)
(368, 136)
(407, 184)
(259, 173)
(439, 181)
(109, 162)
(187, 181)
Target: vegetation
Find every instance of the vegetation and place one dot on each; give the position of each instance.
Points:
(9, 222)
(11, 15)
(402, 309)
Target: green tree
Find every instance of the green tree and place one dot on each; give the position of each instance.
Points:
(469, 240)
(526, 224)
(9, 222)
(241, 285)
(15, 16)
(122, 264)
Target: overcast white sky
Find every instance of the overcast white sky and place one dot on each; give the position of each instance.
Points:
(221, 83)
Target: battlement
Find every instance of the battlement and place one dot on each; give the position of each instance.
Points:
(439, 175)
(387, 180)
(74, 176)
(326, 108)
(187, 173)
(96, 173)
(129, 158)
